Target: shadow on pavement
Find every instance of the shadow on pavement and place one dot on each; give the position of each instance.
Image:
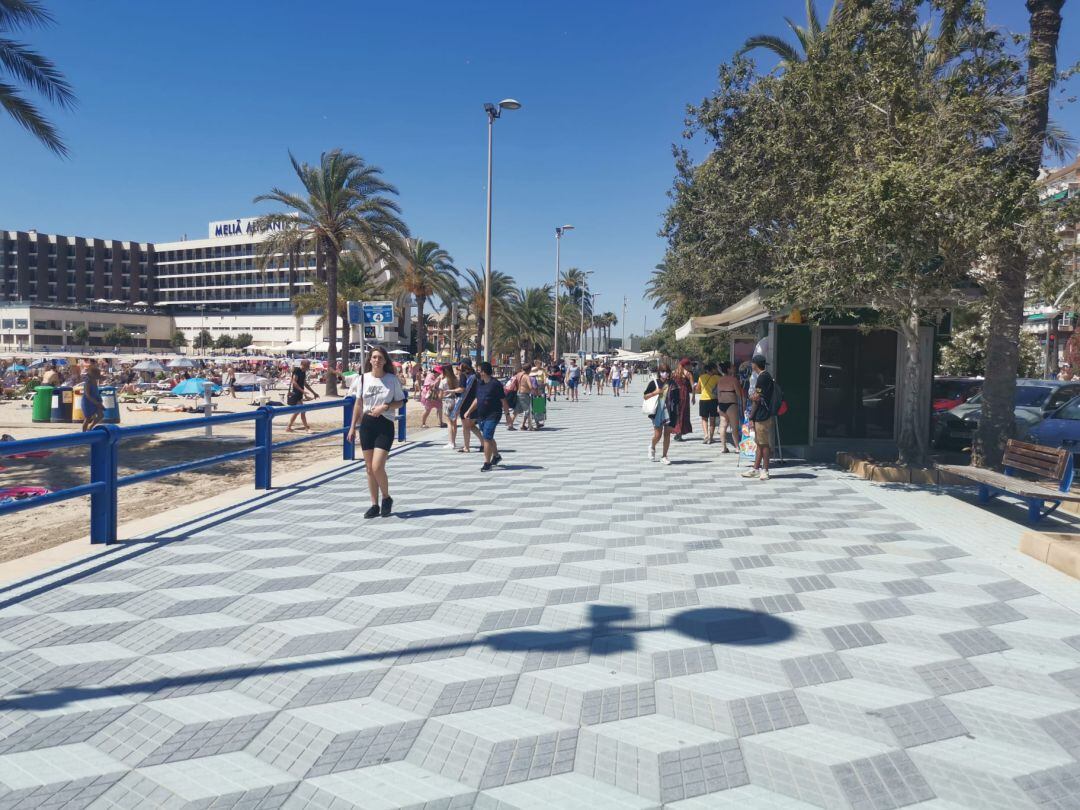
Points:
(412, 514)
(604, 635)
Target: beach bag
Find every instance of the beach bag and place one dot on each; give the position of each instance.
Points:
(649, 406)
(539, 408)
(779, 404)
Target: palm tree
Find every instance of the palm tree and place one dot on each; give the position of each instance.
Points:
(471, 298)
(576, 282)
(529, 320)
(20, 65)
(808, 38)
(426, 270)
(609, 321)
(347, 206)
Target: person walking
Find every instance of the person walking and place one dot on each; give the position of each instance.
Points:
(573, 377)
(450, 396)
(729, 402)
(616, 379)
(517, 387)
(468, 379)
(665, 417)
(590, 377)
(379, 394)
(708, 409)
(684, 381)
(526, 392)
(761, 415)
(487, 409)
(298, 386)
(92, 407)
(429, 395)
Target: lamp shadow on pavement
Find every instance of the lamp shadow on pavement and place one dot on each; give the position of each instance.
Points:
(604, 635)
(413, 514)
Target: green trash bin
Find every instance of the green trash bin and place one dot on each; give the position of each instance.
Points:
(42, 405)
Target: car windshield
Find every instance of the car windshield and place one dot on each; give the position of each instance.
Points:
(1030, 396)
(1071, 411)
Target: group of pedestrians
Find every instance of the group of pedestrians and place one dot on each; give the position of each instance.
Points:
(722, 399)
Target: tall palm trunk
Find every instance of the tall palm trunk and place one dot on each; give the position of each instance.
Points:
(479, 337)
(421, 326)
(331, 319)
(1007, 299)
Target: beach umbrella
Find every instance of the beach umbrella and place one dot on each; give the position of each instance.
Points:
(183, 362)
(17, 367)
(149, 365)
(194, 387)
(399, 351)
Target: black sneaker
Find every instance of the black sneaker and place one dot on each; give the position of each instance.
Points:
(387, 506)
(373, 512)
(487, 467)
(496, 460)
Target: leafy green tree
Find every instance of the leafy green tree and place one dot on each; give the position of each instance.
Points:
(243, 340)
(425, 271)
(867, 175)
(81, 335)
(204, 340)
(965, 354)
(20, 65)
(224, 342)
(117, 336)
(178, 340)
(346, 205)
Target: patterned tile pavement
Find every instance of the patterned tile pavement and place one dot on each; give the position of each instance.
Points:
(581, 628)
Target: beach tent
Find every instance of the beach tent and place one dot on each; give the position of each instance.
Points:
(194, 387)
(152, 366)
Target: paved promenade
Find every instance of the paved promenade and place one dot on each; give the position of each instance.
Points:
(579, 629)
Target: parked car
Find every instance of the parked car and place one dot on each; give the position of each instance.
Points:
(1034, 400)
(948, 392)
(1060, 428)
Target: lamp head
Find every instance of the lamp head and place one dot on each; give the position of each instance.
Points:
(510, 104)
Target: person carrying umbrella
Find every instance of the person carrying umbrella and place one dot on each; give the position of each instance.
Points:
(296, 395)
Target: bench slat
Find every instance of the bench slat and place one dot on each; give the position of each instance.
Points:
(1049, 462)
(1017, 486)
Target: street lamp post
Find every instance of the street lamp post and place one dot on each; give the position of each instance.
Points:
(592, 311)
(493, 111)
(559, 231)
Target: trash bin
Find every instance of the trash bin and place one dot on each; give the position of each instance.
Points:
(42, 404)
(63, 400)
(77, 414)
(112, 409)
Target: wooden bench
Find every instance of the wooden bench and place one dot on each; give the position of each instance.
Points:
(1052, 468)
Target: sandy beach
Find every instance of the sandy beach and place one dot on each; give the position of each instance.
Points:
(33, 530)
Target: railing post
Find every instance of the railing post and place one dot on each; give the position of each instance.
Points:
(264, 444)
(401, 419)
(103, 469)
(348, 449)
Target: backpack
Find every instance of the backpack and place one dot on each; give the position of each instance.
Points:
(779, 404)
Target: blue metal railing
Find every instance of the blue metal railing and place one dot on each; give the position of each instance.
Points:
(104, 441)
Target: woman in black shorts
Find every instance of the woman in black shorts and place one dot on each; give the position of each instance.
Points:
(378, 395)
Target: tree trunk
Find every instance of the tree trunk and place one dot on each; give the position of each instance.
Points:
(912, 437)
(331, 320)
(421, 327)
(479, 337)
(1007, 301)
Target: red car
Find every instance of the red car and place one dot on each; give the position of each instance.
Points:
(948, 392)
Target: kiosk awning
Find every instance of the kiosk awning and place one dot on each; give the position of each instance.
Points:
(742, 313)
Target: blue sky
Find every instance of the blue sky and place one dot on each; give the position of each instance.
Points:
(187, 110)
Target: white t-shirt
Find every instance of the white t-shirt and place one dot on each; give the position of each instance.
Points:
(377, 390)
(616, 373)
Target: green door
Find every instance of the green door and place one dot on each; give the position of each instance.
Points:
(794, 375)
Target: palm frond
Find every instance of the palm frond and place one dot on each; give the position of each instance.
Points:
(15, 14)
(787, 52)
(29, 118)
